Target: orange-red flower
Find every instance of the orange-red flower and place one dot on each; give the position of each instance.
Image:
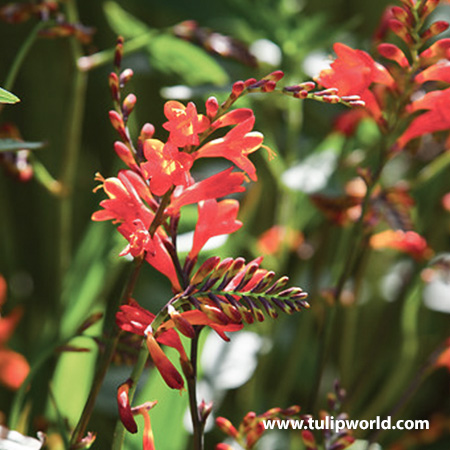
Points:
(125, 205)
(219, 185)
(435, 118)
(14, 368)
(270, 242)
(405, 241)
(184, 123)
(214, 219)
(166, 166)
(135, 319)
(236, 145)
(353, 72)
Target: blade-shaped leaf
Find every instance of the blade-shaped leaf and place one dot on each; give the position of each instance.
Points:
(8, 97)
(11, 145)
(175, 56)
(122, 22)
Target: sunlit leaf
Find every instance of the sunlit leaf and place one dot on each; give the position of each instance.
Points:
(8, 97)
(122, 22)
(175, 56)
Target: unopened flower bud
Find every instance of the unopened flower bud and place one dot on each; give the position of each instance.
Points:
(147, 131)
(269, 86)
(181, 324)
(204, 410)
(392, 52)
(212, 106)
(205, 269)
(114, 86)
(249, 82)
(118, 53)
(275, 76)
(227, 427)
(123, 401)
(401, 14)
(400, 30)
(128, 104)
(237, 89)
(331, 98)
(125, 77)
(428, 7)
(435, 28)
(116, 120)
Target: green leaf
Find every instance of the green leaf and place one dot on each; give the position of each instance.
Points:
(174, 56)
(122, 22)
(11, 145)
(8, 97)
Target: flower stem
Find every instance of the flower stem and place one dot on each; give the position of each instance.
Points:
(105, 361)
(197, 423)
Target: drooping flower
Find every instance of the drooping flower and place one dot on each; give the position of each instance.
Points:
(135, 319)
(14, 368)
(435, 118)
(214, 219)
(235, 146)
(125, 205)
(353, 72)
(184, 124)
(219, 185)
(405, 241)
(166, 166)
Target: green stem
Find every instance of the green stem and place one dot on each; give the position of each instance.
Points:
(71, 152)
(197, 423)
(21, 55)
(105, 361)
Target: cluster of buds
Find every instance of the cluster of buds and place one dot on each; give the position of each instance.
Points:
(329, 95)
(252, 426)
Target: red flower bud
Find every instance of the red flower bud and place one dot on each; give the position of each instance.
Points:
(123, 401)
(212, 106)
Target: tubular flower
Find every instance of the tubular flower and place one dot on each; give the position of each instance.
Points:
(353, 72)
(166, 166)
(14, 368)
(219, 185)
(235, 146)
(135, 319)
(436, 117)
(184, 124)
(405, 241)
(214, 219)
(126, 207)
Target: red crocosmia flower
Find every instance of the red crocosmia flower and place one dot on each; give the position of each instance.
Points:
(233, 118)
(143, 410)
(353, 72)
(436, 72)
(214, 219)
(436, 118)
(14, 368)
(406, 241)
(166, 166)
(236, 145)
(271, 241)
(125, 206)
(135, 319)
(219, 185)
(184, 123)
(347, 122)
(123, 402)
(444, 359)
